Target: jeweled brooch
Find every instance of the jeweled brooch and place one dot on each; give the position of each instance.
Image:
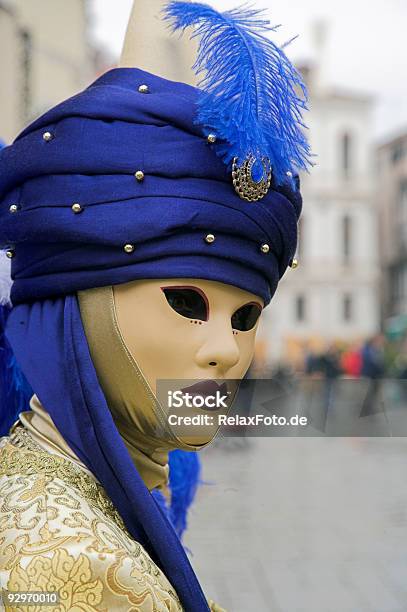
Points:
(246, 186)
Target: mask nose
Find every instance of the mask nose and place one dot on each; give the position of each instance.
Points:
(219, 350)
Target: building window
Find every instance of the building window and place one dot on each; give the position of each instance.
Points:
(346, 154)
(347, 307)
(397, 152)
(300, 308)
(395, 288)
(346, 237)
(398, 288)
(401, 216)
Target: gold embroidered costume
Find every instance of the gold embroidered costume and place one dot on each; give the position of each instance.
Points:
(59, 531)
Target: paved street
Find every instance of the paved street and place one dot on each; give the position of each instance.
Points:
(303, 524)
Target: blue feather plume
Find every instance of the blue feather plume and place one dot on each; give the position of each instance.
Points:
(15, 392)
(184, 478)
(252, 97)
(185, 471)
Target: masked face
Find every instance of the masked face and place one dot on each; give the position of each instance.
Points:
(188, 328)
(167, 330)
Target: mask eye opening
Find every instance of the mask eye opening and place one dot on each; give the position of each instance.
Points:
(193, 309)
(246, 317)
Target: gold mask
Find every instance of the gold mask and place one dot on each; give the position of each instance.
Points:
(136, 338)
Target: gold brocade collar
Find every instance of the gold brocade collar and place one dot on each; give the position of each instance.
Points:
(38, 422)
(43, 431)
(23, 455)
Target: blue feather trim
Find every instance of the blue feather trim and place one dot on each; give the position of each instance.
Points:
(252, 97)
(15, 392)
(185, 470)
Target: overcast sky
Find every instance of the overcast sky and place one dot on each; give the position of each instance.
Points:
(365, 49)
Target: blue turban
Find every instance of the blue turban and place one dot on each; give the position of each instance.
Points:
(71, 202)
(121, 182)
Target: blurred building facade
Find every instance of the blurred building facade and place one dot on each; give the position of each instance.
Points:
(44, 58)
(333, 296)
(392, 206)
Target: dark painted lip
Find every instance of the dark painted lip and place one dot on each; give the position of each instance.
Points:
(206, 387)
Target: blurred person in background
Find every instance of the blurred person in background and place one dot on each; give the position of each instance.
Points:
(322, 369)
(330, 369)
(351, 360)
(400, 364)
(373, 368)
